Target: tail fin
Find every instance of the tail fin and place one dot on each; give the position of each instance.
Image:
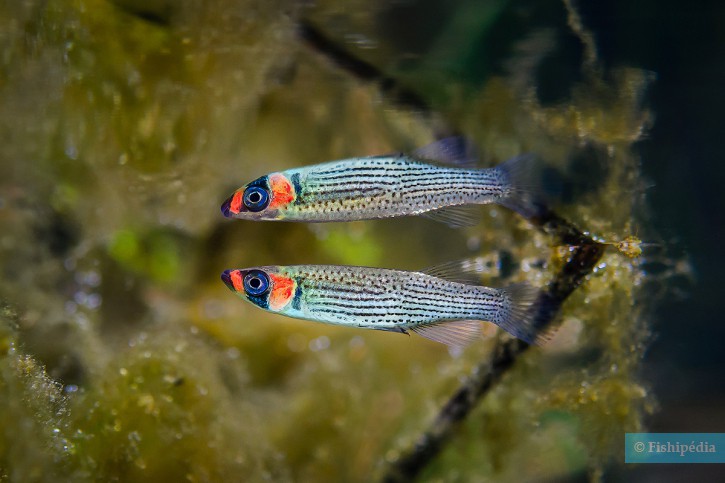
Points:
(521, 313)
(523, 178)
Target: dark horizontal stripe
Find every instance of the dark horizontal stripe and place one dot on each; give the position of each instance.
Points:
(411, 173)
(448, 187)
(376, 301)
(353, 169)
(390, 293)
(443, 286)
(347, 287)
(407, 179)
(463, 299)
(371, 179)
(400, 316)
(441, 300)
(364, 180)
(408, 306)
(447, 178)
(411, 168)
(369, 297)
(377, 312)
(336, 193)
(372, 287)
(442, 193)
(452, 187)
(374, 173)
(470, 300)
(403, 317)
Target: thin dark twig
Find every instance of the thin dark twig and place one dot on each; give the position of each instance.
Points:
(584, 257)
(484, 377)
(360, 69)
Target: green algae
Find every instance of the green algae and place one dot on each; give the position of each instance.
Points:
(33, 412)
(124, 357)
(161, 409)
(172, 407)
(155, 255)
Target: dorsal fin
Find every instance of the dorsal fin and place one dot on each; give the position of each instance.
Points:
(466, 271)
(453, 333)
(453, 151)
(455, 216)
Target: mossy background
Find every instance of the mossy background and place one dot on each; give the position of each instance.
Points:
(124, 125)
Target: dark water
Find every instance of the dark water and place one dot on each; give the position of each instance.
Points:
(685, 45)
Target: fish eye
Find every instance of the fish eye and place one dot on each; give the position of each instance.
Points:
(256, 198)
(256, 282)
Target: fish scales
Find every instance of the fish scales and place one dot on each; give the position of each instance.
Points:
(388, 186)
(369, 297)
(394, 300)
(385, 187)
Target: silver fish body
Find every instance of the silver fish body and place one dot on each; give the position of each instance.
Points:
(385, 186)
(392, 300)
(434, 180)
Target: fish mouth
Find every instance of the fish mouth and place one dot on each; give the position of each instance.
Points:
(234, 205)
(227, 279)
(226, 208)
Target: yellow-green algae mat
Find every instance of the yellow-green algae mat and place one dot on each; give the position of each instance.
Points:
(122, 356)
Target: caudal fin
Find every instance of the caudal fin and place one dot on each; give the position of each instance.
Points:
(518, 318)
(522, 175)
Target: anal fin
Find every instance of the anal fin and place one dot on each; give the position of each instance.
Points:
(455, 216)
(453, 333)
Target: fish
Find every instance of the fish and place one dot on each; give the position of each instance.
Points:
(444, 303)
(439, 181)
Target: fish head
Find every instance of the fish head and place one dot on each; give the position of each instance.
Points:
(269, 288)
(265, 198)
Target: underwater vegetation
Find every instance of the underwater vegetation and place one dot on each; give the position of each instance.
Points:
(126, 124)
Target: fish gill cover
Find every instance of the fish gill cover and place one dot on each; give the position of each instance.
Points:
(121, 356)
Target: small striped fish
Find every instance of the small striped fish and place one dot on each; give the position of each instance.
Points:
(441, 303)
(388, 186)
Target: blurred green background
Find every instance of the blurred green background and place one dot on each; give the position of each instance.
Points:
(125, 124)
